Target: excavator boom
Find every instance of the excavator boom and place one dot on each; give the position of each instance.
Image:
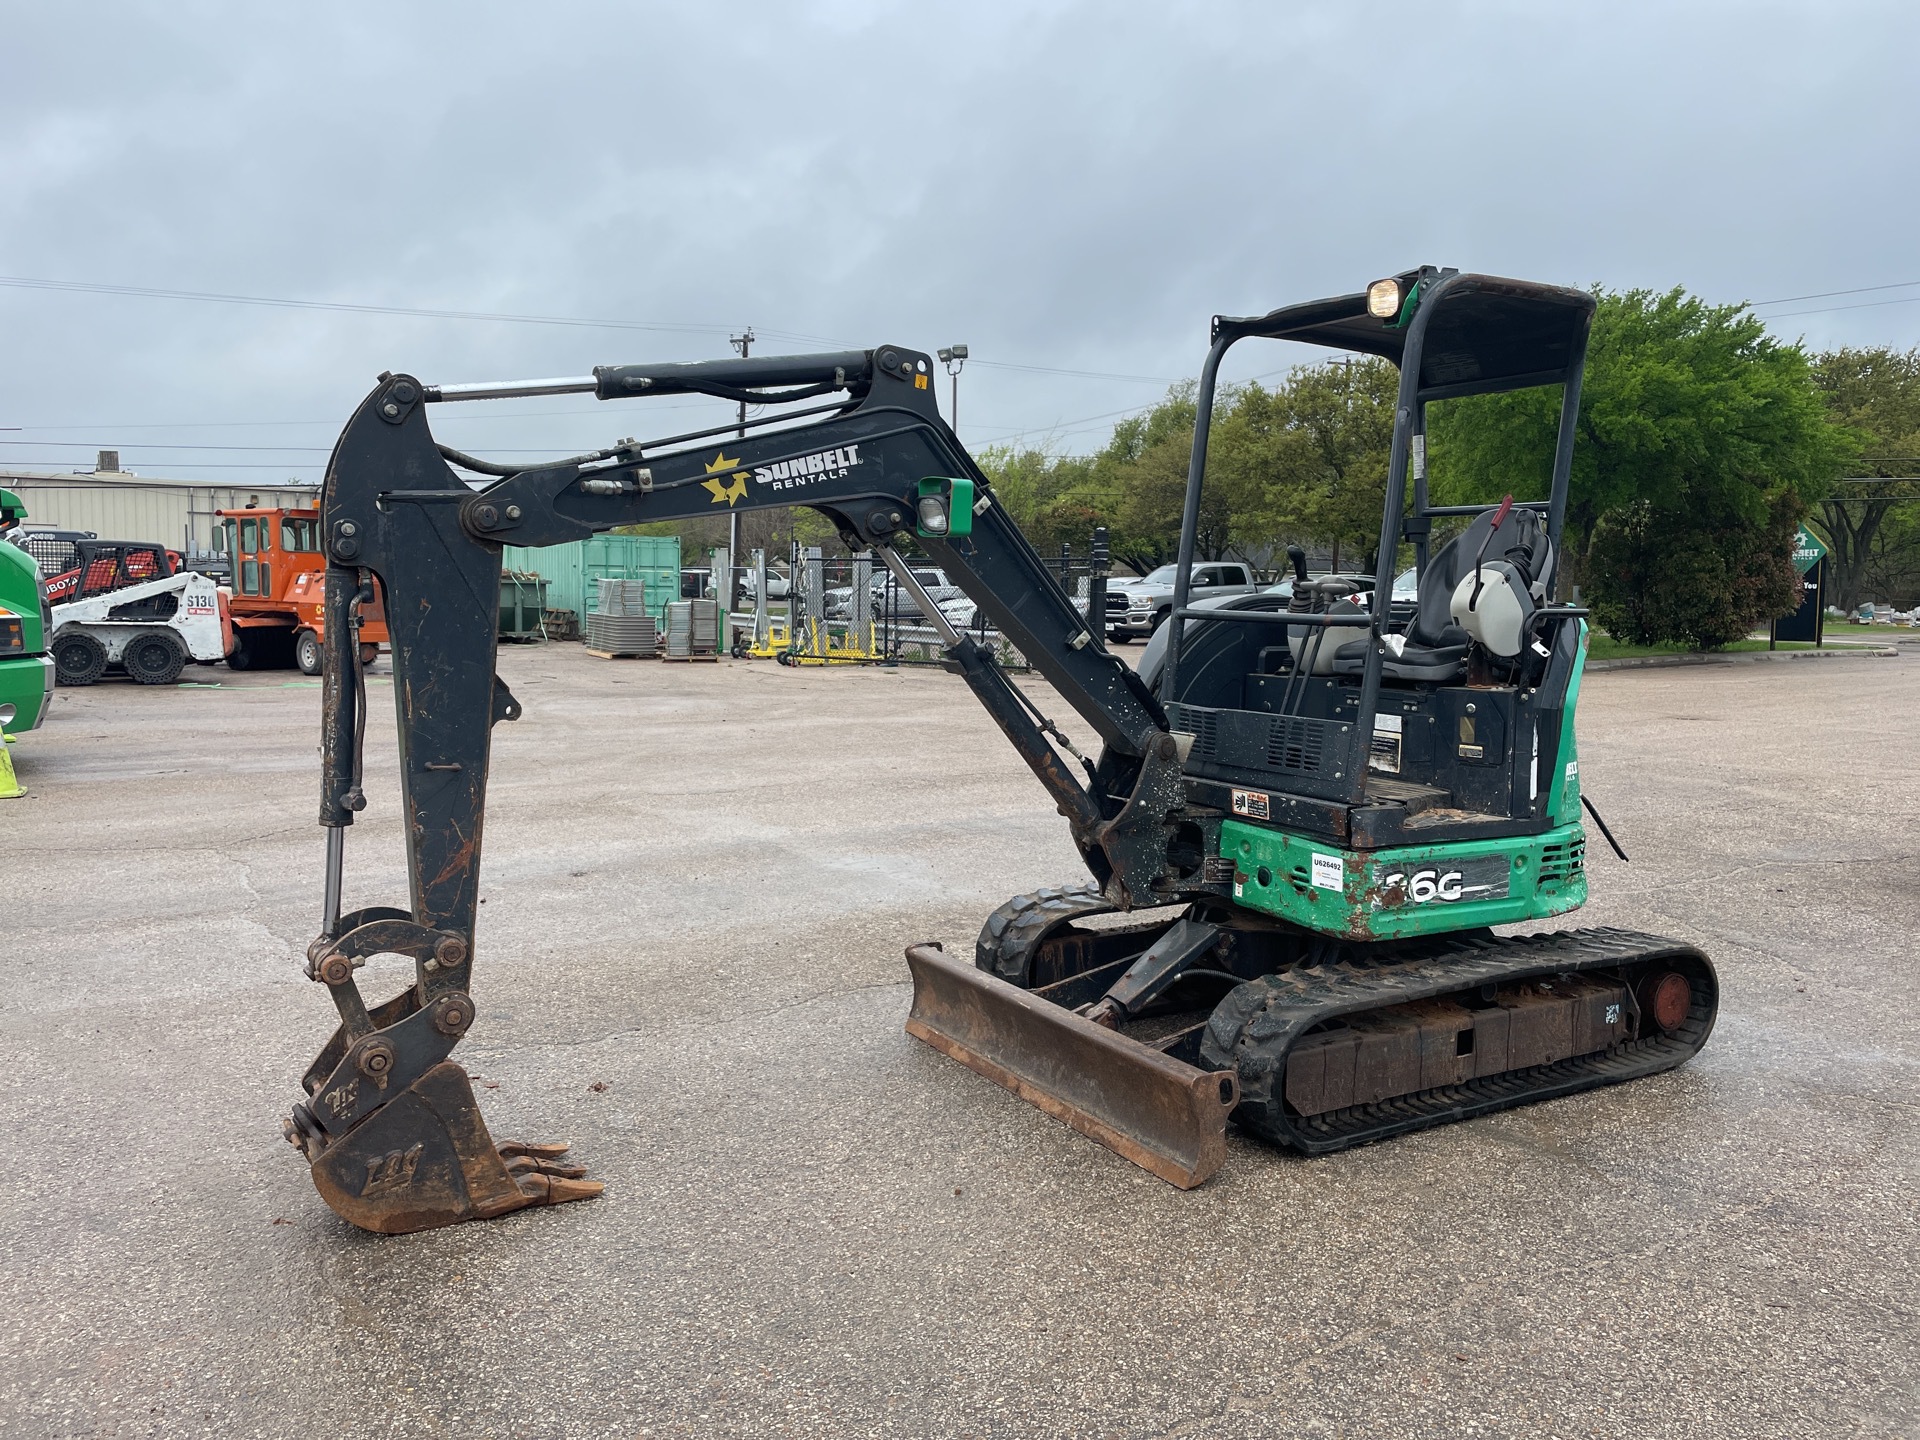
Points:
(389, 1124)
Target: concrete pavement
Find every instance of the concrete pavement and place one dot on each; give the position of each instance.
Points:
(699, 880)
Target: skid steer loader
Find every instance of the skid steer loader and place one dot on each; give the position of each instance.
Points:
(129, 607)
(1306, 818)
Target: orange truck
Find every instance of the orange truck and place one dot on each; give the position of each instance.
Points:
(278, 578)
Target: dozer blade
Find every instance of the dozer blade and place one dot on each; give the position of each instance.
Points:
(1162, 1114)
(424, 1159)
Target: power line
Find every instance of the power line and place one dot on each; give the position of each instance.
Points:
(335, 423)
(149, 445)
(25, 282)
(1067, 427)
(1829, 309)
(87, 287)
(1829, 294)
(140, 445)
(1082, 374)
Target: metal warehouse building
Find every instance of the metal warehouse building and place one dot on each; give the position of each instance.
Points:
(117, 505)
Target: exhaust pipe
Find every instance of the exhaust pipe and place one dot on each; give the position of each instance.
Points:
(1162, 1114)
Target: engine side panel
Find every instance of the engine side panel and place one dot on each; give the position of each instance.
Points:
(1408, 890)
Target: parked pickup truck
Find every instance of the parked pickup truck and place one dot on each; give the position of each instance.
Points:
(890, 601)
(1137, 606)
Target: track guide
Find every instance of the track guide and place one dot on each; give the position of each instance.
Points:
(1258, 1026)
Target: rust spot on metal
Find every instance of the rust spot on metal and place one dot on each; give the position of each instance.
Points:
(460, 862)
(1439, 815)
(1666, 998)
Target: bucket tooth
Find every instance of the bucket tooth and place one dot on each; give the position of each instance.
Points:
(1164, 1115)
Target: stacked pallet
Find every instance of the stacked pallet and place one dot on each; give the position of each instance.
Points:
(621, 625)
(680, 630)
(693, 630)
(706, 629)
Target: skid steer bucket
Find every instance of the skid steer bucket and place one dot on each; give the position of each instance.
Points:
(1162, 1114)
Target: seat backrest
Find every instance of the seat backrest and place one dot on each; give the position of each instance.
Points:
(1521, 541)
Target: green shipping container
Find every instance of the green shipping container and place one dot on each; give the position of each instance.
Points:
(570, 570)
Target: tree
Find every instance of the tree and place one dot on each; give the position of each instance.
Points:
(1139, 479)
(1042, 492)
(1699, 437)
(1308, 459)
(1893, 563)
(773, 529)
(1135, 485)
(1875, 394)
(1704, 584)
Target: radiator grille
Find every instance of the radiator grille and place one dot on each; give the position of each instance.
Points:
(1562, 862)
(1297, 745)
(1253, 745)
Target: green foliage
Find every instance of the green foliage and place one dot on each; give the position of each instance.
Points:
(773, 530)
(1308, 459)
(1705, 584)
(1135, 486)
(1701, 443)
(1872, 529)
(1700, 438)
(1045, 494)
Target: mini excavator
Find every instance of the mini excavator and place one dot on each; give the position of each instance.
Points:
(1307, 815)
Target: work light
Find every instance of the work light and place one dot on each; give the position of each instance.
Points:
(1383, 299)
(943, 508)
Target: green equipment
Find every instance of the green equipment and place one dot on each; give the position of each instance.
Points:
(1364, 791)
(26, 622)
(1308, 813)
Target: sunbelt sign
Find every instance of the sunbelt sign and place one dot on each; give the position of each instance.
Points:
(1807, 550)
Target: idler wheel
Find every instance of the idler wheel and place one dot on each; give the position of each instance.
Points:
(1665, 999)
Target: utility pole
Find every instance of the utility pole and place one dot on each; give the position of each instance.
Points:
(730, 590)
(954, 357)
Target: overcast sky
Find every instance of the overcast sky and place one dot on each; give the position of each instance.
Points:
(1072, 187)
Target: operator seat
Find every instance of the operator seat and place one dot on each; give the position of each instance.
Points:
(1435, 648)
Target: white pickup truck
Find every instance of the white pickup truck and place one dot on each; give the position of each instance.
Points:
(1136, 606)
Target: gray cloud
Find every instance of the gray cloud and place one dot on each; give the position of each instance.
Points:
(1069, 185)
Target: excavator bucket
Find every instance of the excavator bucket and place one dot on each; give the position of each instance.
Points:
(1164, 1115)
(398, 1156)
(424, 1159)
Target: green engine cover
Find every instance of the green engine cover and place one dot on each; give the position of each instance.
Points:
(1413, 890)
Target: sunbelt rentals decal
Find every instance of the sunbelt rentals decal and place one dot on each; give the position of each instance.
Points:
(727, 482)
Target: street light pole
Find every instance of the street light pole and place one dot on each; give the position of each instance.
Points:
(954, 357)
(730, 590)
(742, 343)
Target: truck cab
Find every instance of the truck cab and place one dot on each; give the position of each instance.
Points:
(1137, 607)
(278, 576)
(26, 670)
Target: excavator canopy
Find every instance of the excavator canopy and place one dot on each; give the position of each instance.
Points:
(1491, 333)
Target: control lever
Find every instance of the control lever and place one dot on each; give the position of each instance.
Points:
(1300, 601)
(1499, 515)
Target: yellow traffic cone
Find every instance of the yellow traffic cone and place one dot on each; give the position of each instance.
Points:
(9, 783)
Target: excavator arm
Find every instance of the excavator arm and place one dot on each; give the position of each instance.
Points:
(389, 1125)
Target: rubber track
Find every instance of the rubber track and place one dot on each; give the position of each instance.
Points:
(1014, 931)
(1257, 1024)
